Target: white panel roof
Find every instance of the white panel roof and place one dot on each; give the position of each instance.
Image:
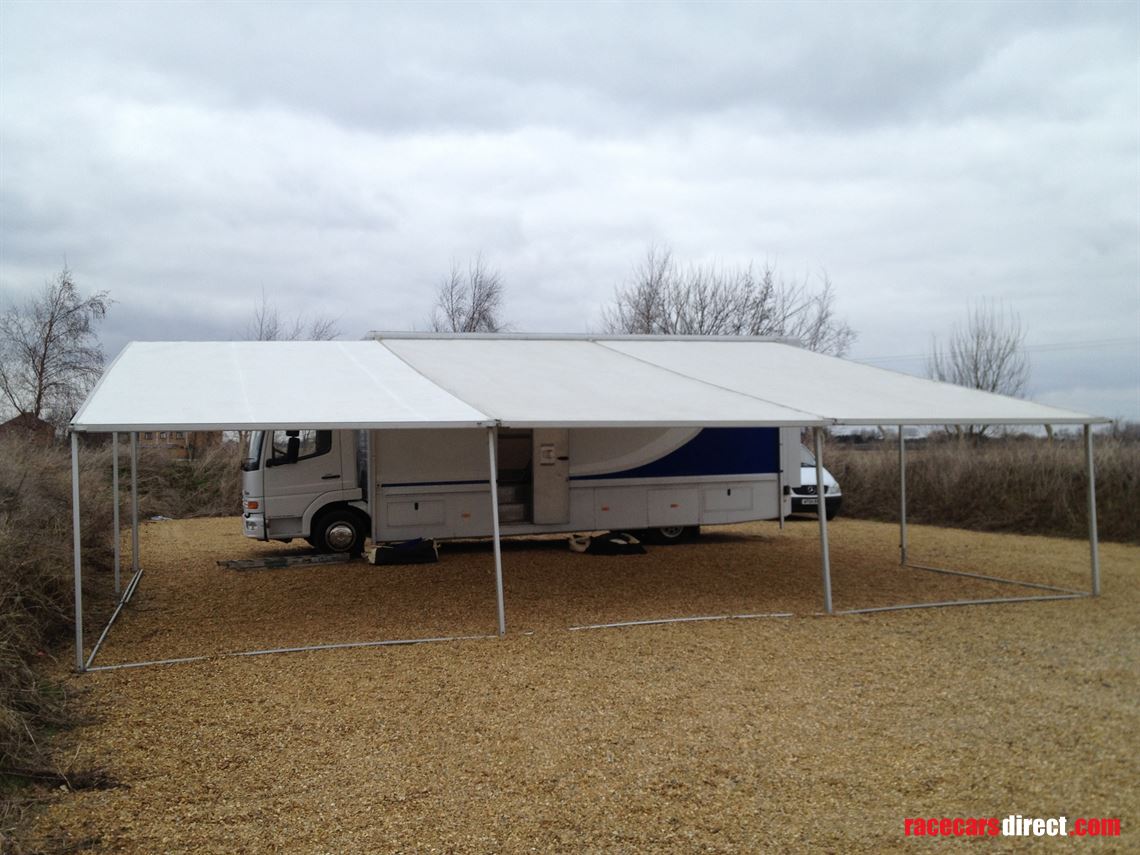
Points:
(575, 382)
(404, 380)
(842, 391)
(215, 385)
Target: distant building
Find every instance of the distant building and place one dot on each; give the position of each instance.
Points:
(29, 427)
(179, 444)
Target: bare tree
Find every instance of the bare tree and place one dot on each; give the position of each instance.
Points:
(268, 325)
(50, 354)
(471, 303)
(986, 353)
(663, 298)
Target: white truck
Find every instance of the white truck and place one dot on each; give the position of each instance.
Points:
(323, 485)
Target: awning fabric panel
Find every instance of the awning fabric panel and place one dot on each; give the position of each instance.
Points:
(533, 382)
(250, 385)
(837, 389)
(406, 381)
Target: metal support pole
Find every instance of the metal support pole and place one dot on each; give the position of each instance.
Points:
(115, 523)
(77, 551)
(819, 486)
(492, 438)
(1093, 551)
(135, 501)
(780, 474)
(902, 497)
(370, 482)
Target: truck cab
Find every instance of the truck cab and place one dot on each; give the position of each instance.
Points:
(317, 491)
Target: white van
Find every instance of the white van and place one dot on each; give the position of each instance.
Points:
(805, 497)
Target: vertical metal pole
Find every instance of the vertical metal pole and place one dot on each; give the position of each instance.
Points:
(135, 501)
(76, 548)
(825, 557)
(115, 523)
(902, 497)
(1095, 558)
(370, 483)
(491, 442)
(780, 474)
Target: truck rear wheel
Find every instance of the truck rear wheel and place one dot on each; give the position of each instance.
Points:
(671, 534)
(340, 530)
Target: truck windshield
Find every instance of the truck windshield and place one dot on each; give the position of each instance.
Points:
(253, 458)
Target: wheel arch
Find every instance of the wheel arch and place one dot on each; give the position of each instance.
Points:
(333, 501)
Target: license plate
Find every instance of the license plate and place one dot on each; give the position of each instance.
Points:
(809, 501)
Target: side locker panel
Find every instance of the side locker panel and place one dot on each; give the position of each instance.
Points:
(416, 512)
(737, 497)
(551, 467)
(620, 507)
(674, 506)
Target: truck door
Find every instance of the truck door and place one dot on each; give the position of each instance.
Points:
(300, 465)
(551, 462)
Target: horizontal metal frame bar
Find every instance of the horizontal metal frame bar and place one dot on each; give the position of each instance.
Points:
(986, 578)
(128, 592)
(985, 602)
(337, 646)
(135, 427)
(380, 335)
(698, 619)
(924, 421)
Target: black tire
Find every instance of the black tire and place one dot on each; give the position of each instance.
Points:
(341, 529)
(832, 510)
(671, 534)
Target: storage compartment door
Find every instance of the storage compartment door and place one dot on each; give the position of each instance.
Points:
(551, 462)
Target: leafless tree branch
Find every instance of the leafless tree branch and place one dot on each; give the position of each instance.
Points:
(986, 353)
(50, 354)
(471, 303)
(664, 299)
(266, 324)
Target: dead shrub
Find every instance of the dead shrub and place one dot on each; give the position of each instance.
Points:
(36, 587)
(36, 570)
(207, 486)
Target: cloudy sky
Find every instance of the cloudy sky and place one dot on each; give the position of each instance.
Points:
(340, 156)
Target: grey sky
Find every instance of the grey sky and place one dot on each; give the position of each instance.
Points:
(340, 156)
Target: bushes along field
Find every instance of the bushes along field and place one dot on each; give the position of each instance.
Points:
(36, 581)
(1026, 486)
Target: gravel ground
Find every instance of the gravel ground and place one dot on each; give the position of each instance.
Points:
(744, 735)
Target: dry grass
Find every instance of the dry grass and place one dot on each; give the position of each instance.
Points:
(208, 486)
(736, 736)
(1027, 486)
(36, 576)
(36, 582)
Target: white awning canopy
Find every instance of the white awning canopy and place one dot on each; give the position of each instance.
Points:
(841, 391)
(537, 382)
(409, 380)
(250, 385)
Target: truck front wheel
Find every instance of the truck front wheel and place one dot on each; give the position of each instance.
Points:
(340, 530)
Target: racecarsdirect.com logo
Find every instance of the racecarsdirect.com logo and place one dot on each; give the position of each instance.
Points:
(1014, 825)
